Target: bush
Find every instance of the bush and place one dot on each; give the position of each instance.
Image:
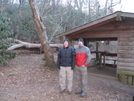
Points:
(5, 33)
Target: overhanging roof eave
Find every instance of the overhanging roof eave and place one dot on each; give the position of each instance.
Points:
(115, 16)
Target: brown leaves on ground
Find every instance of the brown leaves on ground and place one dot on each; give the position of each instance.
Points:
(26, 79)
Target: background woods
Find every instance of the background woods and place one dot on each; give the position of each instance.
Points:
(57, 15)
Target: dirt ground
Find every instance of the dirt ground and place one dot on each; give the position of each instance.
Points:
(26, 79)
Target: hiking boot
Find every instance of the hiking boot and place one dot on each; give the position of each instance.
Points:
(69, 92)
(83, 94)
(61, 91)
(79, 92)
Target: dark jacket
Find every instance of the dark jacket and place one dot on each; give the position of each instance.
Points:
(66, 57)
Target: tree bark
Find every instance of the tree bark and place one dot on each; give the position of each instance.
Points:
(42, 34)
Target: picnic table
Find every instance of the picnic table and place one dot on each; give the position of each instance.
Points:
(102, 55)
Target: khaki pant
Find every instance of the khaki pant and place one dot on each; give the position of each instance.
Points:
(66, 73)
(81, 77)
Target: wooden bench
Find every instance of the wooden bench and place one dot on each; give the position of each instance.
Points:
(104, 54)
(112, 60)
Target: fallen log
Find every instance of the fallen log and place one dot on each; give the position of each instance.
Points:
(30, 46)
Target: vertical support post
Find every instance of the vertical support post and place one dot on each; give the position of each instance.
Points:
(86, 42)
(97, 53)
(130, 80)
(100, 61)
(64, 37)
(104, 55)
(133, 80)
(71, 42)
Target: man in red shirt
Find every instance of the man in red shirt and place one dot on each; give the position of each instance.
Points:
(83, 57)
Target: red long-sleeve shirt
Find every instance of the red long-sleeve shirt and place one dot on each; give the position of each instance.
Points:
(83, 56)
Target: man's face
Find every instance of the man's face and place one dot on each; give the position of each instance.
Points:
(80, 43)
(65, 44)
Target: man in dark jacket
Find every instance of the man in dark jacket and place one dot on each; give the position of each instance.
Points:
(66, 64)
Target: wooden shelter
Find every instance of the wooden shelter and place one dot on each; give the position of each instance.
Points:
(118, 26)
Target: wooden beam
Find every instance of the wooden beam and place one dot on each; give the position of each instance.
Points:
(100, 61)
(98, 39)
(128, 68)
(94, 35)
(71, 42)
(113, 27)
(130, 79)
(126, 43)
(97, 54)
(126, 39)
(118, 17)
(124, 14)
(122, 55)
(126, 51)
(99, 34)
(126, 48)
(125, 35)
(86, 42)
(126, 64)
(128, 60)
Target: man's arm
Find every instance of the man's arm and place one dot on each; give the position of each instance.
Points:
(73, 59)
(58, 60)
(88, 54)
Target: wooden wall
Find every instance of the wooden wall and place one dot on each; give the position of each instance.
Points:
(125, 65)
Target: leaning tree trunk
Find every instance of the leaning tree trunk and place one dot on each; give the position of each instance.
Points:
(42, 34)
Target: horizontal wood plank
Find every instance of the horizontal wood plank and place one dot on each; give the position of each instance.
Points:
(127, 43)
(128, 39)
(93, 35)
(124, 35)
(126, 64)
(115, 26)
(126, 47)
(125, 55)
(125, 68)
(126, 51)
(126, 60)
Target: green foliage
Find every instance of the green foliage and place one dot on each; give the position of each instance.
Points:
(5, 33)
(22, 22)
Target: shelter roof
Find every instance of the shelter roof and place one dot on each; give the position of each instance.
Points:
(91, 26)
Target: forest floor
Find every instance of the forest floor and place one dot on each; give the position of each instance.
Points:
(26, 79)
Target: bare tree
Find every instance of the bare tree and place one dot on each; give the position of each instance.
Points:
(105, 9)
(18, 20)
(109, 5)
(42, 34)
(89, 9)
